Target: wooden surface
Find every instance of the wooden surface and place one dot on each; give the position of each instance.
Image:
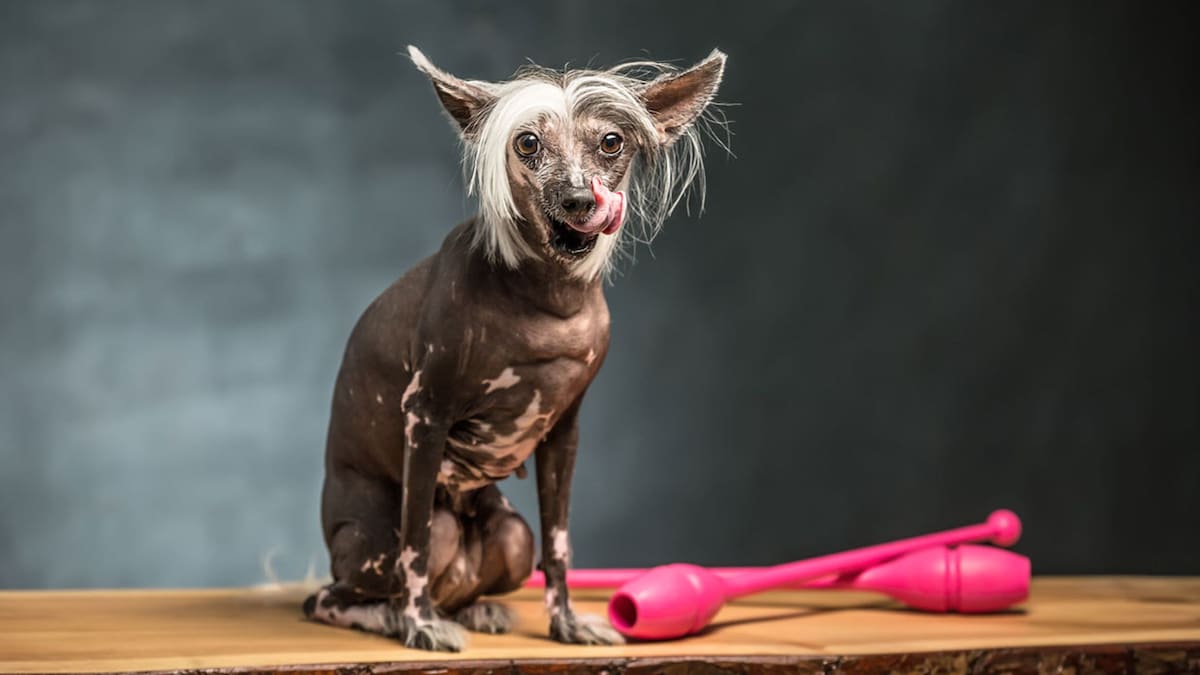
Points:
(1073, 622)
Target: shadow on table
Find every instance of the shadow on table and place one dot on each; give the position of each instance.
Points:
(882, 605)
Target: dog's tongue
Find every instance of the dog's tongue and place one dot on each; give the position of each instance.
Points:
(610, 210)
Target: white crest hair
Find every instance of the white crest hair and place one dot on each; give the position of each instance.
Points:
(658, 180)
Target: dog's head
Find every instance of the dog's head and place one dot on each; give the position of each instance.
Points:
(545, 149)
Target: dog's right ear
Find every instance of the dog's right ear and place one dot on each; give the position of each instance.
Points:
(463, 100)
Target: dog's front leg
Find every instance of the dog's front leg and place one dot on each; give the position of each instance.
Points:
(555, 459)
(418, 624)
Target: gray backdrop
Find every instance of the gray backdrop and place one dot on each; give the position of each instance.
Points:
(950, 269)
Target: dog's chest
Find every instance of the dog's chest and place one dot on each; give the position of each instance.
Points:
(516, 408)
(522, 376)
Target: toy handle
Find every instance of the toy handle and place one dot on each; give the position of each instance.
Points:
(614, 577)
(1002, 527)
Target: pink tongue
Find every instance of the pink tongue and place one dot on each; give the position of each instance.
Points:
(610, 209)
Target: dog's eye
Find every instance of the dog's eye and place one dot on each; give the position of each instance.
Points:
(611, 144)
(527, 145)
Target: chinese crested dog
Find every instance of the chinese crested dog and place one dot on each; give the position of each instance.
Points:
(479, 356)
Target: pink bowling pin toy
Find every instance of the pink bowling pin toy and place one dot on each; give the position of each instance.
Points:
(968, 579)
(676, 600)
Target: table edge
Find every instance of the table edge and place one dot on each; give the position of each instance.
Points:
(1161, 657)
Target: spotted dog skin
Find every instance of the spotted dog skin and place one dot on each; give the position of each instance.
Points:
(454, 376)
(462, 370)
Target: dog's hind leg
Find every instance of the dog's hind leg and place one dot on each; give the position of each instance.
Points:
(496, 557)
(361, 514)
(338, 604)
(358, 596)
(362, 562)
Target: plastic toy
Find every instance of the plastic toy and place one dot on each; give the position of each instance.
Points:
(966, 579)
(676, 600)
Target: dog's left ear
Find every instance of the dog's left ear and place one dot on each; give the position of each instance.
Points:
(676, 100)
(462, 99)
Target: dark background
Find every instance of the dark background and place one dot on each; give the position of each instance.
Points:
(951, 268)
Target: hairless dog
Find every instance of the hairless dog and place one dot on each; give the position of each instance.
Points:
(479, 356)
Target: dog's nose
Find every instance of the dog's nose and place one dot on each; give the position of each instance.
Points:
(578, 201)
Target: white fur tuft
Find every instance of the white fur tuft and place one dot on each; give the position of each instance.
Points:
(421, 61)
(519, 102)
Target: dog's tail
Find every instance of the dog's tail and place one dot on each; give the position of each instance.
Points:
(310, 584)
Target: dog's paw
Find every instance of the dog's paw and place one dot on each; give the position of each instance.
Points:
(583, 629)
(487, 617)
(435, 635)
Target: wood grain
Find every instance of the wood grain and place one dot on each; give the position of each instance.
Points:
(1081, 624)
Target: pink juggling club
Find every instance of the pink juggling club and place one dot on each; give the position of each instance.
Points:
(968, 579)
(936, 579)
(676, 600)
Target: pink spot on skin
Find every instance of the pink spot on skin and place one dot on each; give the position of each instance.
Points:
(411, 419)
(374, 565)
(413, 583)
(410, 427)
(507, 378)
(413, 388)
(559, 536)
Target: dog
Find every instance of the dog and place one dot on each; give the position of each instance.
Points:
(480, 355)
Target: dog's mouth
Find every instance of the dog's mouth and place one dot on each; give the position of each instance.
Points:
(568, 241)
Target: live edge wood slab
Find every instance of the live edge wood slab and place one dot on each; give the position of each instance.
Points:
(1098, 624)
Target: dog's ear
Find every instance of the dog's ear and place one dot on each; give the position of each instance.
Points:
(462, 99)
(676, 100)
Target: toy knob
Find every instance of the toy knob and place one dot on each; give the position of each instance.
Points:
(1007, 527)
(667, 602)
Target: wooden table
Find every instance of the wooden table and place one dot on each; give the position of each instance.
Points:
(1112, 624)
